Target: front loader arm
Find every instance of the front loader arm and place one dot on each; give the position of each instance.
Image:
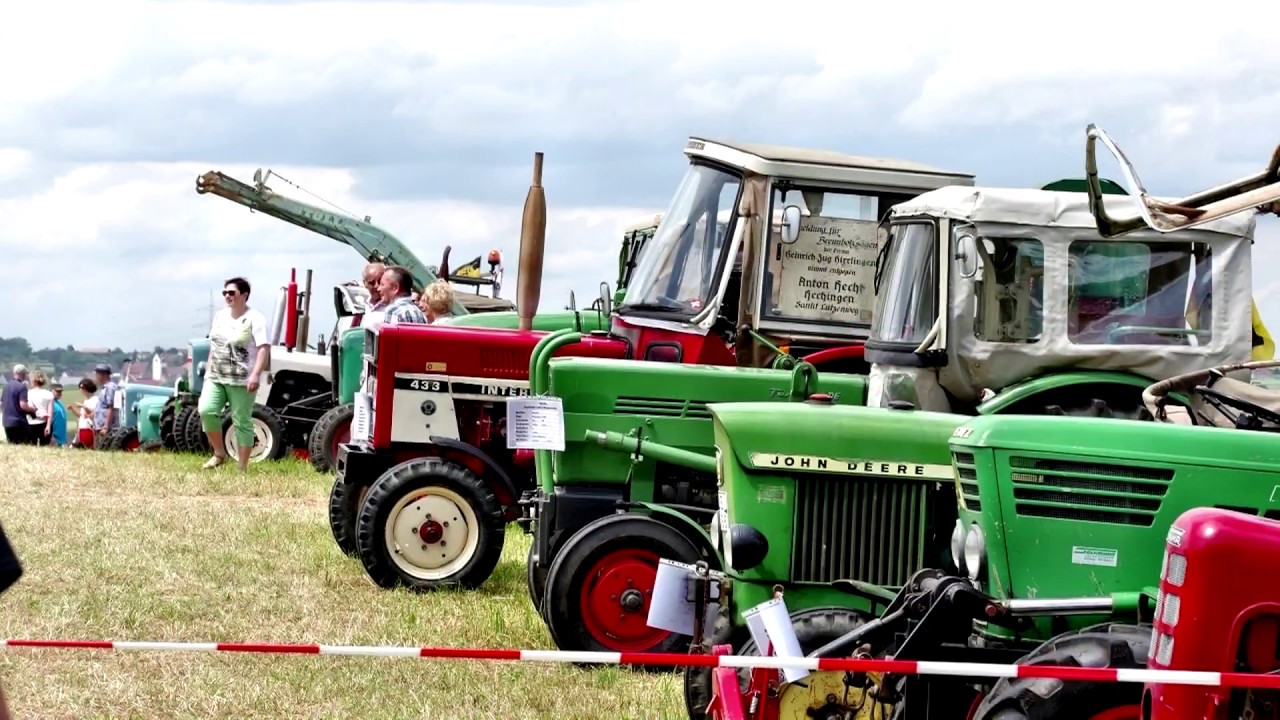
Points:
(372, 242)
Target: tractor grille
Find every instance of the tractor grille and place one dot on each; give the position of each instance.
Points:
(661, 407)
(862, 528)
(968, 475)
(1088, 491)
(504, 364)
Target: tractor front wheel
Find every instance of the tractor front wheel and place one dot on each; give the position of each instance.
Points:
(428, 524)
(600, 584)
(1110, 645)
(344, 505)
(124, 439)
(268, 435)
(331, 430)
(535, 579)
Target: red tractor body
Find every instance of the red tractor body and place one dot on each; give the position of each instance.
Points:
(1218, 611)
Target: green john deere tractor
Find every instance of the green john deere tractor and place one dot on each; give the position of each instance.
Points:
(765, 258)
(1042, 543)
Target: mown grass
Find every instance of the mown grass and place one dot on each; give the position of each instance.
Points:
(149, 547)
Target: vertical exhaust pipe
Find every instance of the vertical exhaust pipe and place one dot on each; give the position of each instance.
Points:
(304, 322)
(533, 241)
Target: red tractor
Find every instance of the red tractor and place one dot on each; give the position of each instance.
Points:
(1218, 610)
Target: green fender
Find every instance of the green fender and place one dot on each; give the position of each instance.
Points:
(1020, 391)
(688, 528)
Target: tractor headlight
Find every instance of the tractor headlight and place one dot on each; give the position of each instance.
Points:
(957, 545)
(748, 546)
(975, 552)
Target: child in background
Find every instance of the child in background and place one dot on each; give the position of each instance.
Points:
(58, 419)
(84, 437)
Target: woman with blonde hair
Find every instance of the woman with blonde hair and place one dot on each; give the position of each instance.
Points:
(42, 398)
(437, 300)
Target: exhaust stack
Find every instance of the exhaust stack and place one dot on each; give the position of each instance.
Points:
(533, 241)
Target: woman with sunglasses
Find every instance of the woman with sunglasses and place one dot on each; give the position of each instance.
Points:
(238, 353)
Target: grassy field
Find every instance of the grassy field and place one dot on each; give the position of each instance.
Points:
(150, 547)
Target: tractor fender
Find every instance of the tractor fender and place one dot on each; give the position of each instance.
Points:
(1026, 389)
(506, 487)
(686, 526)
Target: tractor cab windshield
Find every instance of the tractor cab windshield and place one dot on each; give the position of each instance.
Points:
(678, 271)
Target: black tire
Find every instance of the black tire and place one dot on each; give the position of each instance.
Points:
(1111, 645)
(168, 416)
(634, 539)
(435, 476)
(193, 432)
(697, 680)
(344, 506)
(814, 628)
(535, 580)
(321, 440)
(180, 438)
(261, 417)
(122, 439)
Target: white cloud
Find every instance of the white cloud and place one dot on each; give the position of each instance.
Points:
(424, 115)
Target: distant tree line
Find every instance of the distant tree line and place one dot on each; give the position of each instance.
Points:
(18, 350)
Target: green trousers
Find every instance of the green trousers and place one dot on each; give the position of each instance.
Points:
(215, 396)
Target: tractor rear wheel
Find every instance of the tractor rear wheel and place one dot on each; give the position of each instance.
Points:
(268, 435)
(344, 506)
(1111, 645)
(600, 583)
(181, 440)
(331, 430)
(427, 524)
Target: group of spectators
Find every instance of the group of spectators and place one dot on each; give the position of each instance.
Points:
(391, 291)
(34, 413)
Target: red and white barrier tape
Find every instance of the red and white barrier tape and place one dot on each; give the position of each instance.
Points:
(901, 667)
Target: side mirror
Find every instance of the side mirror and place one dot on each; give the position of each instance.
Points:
(606, 299)
(967, 255)
(573, 302)
(790, 224)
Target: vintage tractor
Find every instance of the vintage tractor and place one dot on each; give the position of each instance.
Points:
(809, 287)
(1051, 561)
(1216, 616)
(804, 284)
(137, 430)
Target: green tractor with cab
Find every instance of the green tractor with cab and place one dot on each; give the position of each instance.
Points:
(1039, 536)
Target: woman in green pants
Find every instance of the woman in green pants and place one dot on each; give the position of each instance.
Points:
(238, 352)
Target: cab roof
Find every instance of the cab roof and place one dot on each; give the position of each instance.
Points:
(825, 165)
(1044, 208)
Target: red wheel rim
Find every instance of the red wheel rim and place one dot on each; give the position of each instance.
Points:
(341, 434)
(615, 600)
(1124, 712)
(132, 444)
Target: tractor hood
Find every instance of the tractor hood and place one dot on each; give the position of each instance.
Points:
(834, 432)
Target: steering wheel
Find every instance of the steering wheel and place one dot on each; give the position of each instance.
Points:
(1221, 401)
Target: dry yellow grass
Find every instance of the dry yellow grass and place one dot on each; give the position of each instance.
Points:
(149, 547)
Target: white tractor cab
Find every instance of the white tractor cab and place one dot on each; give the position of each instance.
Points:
(711, 272)
(1041, 313)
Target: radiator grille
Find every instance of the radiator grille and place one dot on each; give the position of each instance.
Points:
(661, 407)
(865, 529)
(1088, 491)
(503, 364)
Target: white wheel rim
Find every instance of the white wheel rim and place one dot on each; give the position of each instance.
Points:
(455, 522)
(262, 445)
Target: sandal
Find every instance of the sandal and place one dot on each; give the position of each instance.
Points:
(214, 462)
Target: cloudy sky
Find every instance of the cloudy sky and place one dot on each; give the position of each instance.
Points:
(425, 116)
